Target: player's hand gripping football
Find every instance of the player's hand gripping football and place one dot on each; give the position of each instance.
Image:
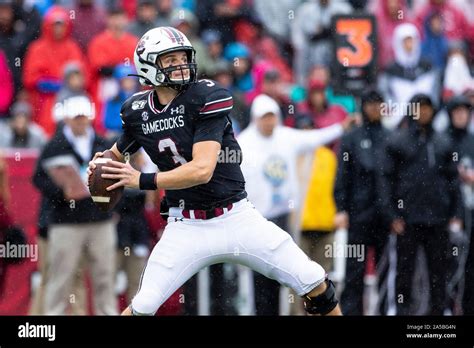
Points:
(124, 172)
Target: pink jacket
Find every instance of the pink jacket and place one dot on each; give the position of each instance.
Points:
(6, 85)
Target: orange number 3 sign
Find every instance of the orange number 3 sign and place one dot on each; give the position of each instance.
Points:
(357, 32)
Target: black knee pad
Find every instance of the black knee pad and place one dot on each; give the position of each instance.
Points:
(323, 303)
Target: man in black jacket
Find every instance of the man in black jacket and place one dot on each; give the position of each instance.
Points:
(357, 199)
(76, 226)
(421, 197)
(459, 111)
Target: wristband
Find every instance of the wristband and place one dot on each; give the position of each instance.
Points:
(147, 181)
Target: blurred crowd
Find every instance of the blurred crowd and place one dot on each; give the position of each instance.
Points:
(399, 184)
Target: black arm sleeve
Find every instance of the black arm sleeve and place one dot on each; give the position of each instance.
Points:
(126, 143)
(343, 177)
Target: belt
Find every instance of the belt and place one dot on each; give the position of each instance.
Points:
(206, 214)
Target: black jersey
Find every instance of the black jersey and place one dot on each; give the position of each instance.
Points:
(198, 113)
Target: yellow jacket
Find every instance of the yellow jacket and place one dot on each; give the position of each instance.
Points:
(319, 206)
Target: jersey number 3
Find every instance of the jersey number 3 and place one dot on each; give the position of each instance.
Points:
(169, 143)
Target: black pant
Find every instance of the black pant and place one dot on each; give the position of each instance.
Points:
(434, 239)
(267, 291)
(372, 234)
(468, 300)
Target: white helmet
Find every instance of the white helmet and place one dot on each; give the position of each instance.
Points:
(159, 41)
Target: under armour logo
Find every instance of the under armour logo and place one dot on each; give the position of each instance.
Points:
(145, 116)
(176, 109)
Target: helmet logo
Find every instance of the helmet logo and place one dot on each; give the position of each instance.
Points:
(174, 35)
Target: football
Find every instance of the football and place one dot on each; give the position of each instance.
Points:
(104, 200)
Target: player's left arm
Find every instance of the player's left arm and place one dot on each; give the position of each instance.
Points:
(196, 172)
(210, 123)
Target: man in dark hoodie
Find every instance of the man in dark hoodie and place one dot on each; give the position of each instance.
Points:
(420, 195)
(357, 199)
(459, 111)
(76, 227)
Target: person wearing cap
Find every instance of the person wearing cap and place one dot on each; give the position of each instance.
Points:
(76, 226)
(270, 153)
(420, 198)
(357, 197)
(44, 65)
(20, 131)
(460, 115)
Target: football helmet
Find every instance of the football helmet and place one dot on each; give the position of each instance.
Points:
(156, 43)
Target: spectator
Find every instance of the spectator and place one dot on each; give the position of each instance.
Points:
(322, 73)
(311, 34)
(227, 16)
(88, 21)
(274, 17)
(420, 196)
(17, 29)
(389, 14)
(267, 80)
(434, 47)
(457, 76)
(74, 82)
(357, 201)
(460, 113)
(45, 62)
(270, 151)
(213, 45)
(128, 86)
(455, 24)
(112, 47)
(407, 75)
(238, 55)
(21, 132)
(165, 7)
(133, 233)
(7, 87)
(146, 18)
(317, 107)
(222, 73)
(268, 50)
(76, 224)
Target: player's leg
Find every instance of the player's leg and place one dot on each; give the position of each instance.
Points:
(181, 252)
(271, 251)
